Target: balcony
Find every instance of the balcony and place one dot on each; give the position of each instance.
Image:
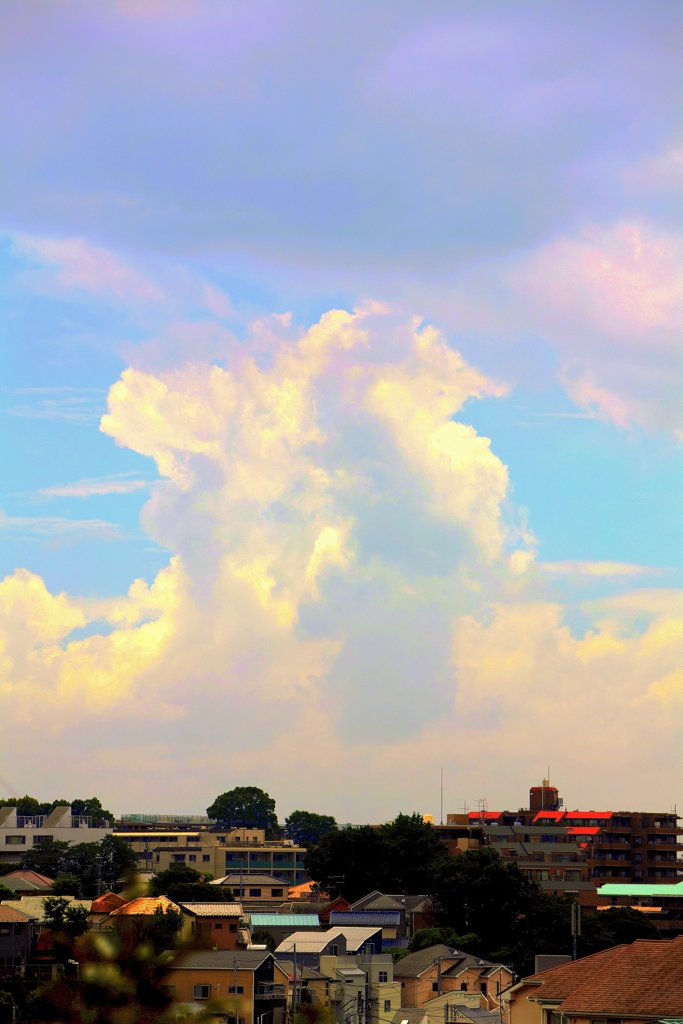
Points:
(270, 992)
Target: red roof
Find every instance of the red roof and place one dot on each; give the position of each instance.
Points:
(553, 815)
(644, 978)
(30, 876)
(486, 815)
(107, 902)
(582, 830)
(145, 905)
(560, 982)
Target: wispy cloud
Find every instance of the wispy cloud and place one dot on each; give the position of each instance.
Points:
(72, 405)
(599, 569)
(57, 526)
(89, 267)
(120, 483)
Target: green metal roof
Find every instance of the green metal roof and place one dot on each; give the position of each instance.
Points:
(640, 889)
(285, 921)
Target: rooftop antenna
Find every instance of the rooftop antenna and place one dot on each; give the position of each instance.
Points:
(442, 794)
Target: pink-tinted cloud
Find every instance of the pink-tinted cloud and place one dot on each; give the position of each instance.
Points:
(81, 265)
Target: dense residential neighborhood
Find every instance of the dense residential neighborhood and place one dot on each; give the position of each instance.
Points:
(251, 921)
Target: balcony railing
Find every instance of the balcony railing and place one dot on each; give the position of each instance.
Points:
(270, 992)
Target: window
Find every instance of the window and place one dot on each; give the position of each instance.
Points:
(218, 924)
(193, 856)
(276, 892)
(205, 857)
(383, 976)
(435, 986)
(572, 876)
(463, 986)
(4, 931)
(168, 990)
(233, 926)
(254, 892)
(482, 988)
(37, 840)
(543, 876)
(334, 951)
(240, 990)
(202, 991)
(178, 857)
(15, 840)
(387, 1005)
(637, 858)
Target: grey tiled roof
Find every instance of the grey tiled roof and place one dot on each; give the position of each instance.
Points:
(414, 964)
(220, 959)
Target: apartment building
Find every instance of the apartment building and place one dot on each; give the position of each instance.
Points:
(20, 832)
(209, 848)
(595, 845)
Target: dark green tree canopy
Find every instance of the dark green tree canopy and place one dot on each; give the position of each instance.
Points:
(67, 885)
(404, 855)
(28, 806)
(185, 885)
(94, 864)
(307, 828)
(244, 807)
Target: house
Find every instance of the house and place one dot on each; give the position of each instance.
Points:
(148, 906)
(27, 883)
(243, 986)
(404, 914)
(19, 833)
(312, 986)
(281, 926)
(440, 969)
(535, 998)
(308, 947)
(342, 980)
(216, 924)
(18, 933)
(34, 906)
(257, 887)
(103, 905)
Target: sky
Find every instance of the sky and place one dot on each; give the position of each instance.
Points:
(341, 403)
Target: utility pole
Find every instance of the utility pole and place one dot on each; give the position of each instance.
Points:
(576, 926)
(438, 974)
(237, 1005)
(294, 992)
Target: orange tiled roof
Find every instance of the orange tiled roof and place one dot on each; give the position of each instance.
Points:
(644, 978)
(30, 876)
(9, 914)
(298, 892)
(560, 982)
(145, 905)
(106, 903)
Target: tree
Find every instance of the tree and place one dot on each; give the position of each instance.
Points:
(63, 918)
(67, 885)
(92, 808)
(261, 937)
(117, 859)
(348, 861)
(306, 828)
(244, 807)
(426, 937)
(613, 927)
(6, 894)
(406, 855)
(185, 885)
(46, 858)
(117, 977)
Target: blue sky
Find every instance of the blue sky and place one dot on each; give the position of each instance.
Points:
(189, 188)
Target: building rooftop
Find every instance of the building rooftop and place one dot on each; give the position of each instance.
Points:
(106, 903)
(559, 982)
(251, 880)
(213, 909)
(414, 964)
(367, 918)
(220, 959)
(640, 889)
(145, 905)
(644, 978)
(284, 920)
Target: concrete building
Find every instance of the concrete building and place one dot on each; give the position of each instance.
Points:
(221, 852)
(19, 833)
(18, 933)
(282, 926)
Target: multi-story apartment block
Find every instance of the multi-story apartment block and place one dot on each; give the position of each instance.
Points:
(18, 833)
(219, 851)
(554, 844)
